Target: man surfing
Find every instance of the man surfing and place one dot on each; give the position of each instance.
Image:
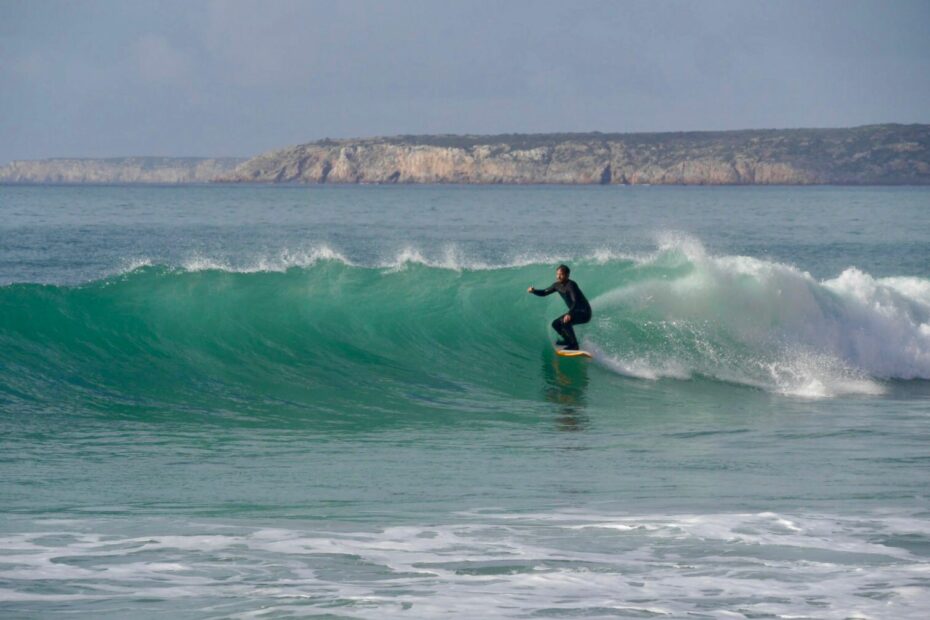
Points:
(579, 310)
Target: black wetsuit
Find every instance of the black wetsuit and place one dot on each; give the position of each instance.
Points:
(578, 308)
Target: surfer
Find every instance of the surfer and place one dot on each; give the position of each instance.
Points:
(579, 310)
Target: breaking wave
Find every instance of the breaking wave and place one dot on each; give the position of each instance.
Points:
(316, 329)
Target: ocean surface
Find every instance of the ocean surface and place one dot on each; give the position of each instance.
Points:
(340, 402)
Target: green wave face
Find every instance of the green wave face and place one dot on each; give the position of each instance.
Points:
(329, 337)
(350, 343)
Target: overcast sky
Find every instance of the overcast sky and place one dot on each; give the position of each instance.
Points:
(115, 78)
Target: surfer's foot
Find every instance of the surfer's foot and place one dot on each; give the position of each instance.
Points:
(571, 347)
(560, 343)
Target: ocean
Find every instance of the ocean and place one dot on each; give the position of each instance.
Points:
(341, 402)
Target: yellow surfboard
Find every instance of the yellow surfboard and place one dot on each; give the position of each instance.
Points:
(564, 353)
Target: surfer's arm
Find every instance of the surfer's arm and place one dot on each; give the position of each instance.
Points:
(542, 293)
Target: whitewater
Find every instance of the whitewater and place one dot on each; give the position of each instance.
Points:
(278, 402)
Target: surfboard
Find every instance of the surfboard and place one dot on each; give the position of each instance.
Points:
(579, 353)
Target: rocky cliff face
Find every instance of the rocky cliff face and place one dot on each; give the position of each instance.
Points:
(119, 170)
(877, 154)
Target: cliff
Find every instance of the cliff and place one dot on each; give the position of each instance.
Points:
(869, 155)
(119, 170)
(875, 154)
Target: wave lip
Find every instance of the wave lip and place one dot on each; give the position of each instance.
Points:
(283, 261)
(450, 257)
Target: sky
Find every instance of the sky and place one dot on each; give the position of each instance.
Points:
(236, 78)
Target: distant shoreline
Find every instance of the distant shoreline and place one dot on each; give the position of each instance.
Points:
(118, 170)
(383, 186)
(873, 155)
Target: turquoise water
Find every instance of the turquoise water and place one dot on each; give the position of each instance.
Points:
(340, 402)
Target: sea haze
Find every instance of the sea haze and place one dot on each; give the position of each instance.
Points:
(224, 401)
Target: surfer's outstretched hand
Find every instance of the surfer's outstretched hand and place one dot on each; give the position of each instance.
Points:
(530, 290)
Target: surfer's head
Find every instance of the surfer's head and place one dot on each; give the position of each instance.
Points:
(561, 273)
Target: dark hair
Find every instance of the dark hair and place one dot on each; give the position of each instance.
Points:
(564, 268)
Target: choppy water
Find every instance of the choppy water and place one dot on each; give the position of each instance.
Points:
(275, 402)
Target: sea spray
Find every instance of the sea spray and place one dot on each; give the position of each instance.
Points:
(763, 323)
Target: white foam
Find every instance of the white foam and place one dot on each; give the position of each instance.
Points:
(452, 258)
(280, 262)
(449, 257)
(886, 324)
(603, 256)
(670, 241)
(132, 264)
(767, 324)
(638, 368)
(489, 565)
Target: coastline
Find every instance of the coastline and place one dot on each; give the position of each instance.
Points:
(874, 155)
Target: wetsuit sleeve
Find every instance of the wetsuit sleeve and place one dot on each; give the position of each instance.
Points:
(544, 292)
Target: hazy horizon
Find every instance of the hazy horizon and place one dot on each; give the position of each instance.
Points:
(233, 79)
